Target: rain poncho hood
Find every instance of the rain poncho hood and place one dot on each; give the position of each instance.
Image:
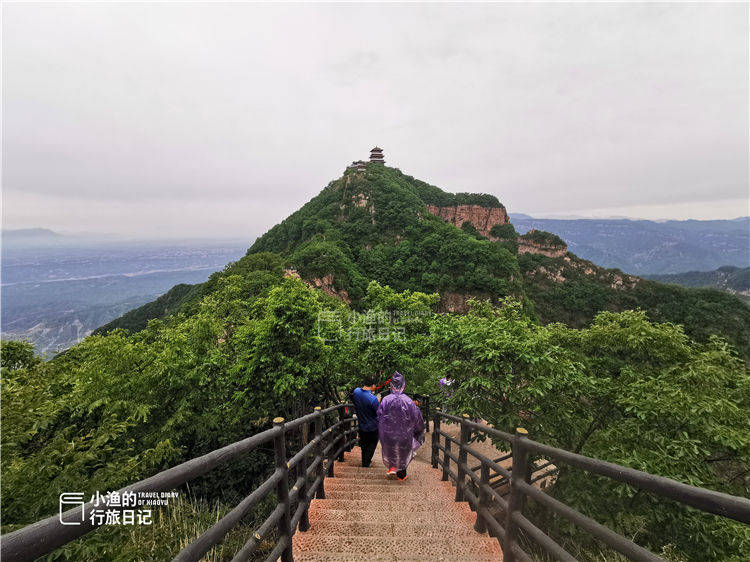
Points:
(400, 425)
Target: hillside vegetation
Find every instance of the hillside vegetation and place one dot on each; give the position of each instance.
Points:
(120, 407)
(373, 225)
(733, 280)
(554, 344)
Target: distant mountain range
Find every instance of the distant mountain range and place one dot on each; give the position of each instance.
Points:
(56, 289)
(35, 233)
(735, 280)
(643, 247)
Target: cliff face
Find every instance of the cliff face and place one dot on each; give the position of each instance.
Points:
(526, 247)
(454, 303)
(482, 218)
(324, 283)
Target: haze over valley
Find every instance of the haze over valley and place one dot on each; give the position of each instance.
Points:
(56, 289)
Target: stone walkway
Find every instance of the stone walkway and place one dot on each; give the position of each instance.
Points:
(366, 516)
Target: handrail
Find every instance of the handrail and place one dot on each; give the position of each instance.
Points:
(478, 490)
(45, 536)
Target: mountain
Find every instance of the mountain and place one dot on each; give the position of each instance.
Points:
(734, 280)
(643, 247)
(36, 233)
(377, 223)
(53, 295)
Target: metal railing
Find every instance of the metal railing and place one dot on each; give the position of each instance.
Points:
(311, 464)
(520, 487)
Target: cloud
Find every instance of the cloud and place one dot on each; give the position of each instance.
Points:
(248, 110)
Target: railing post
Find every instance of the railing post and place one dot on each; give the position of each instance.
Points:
(460, 480)
(446, 459)
(484, 499)
(515, 502)
(342, 430)
(435, 438)
(282, 490)
(321, 493)
(331, 436)
(427, 412)
(304, 522)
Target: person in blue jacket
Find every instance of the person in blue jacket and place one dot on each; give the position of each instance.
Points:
(366, 404)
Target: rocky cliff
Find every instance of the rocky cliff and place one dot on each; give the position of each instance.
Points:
(526, 247)
(325, 283)
(543, 243)
(482, 218)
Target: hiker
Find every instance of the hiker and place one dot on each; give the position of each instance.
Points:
(401, 428)
(445, 386)
(366, 404)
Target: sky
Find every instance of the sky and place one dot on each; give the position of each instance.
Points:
(219, 120)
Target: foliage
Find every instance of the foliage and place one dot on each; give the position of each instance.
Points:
(186, 297)
(17, 355)
(372, 225)
(319, 258)
(573, 291)
(504, 231)
(210, 364)
(117, 408)
(136, 319)
(543, 238)
(624, 390)
(173, 528)
(731, 279)
(392, 335)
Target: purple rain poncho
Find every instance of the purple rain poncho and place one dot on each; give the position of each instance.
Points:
(400, 426)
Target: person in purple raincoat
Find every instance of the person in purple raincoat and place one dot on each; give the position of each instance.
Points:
(401, 428)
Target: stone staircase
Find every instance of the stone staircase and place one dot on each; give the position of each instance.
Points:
(366, 516)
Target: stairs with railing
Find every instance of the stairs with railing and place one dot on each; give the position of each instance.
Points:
(366, 516)
(330, 512)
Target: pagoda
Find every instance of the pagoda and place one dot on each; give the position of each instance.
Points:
(376, 155)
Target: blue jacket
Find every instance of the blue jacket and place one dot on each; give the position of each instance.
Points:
(366, 404)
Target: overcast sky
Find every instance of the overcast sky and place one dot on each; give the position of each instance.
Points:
(220, 120)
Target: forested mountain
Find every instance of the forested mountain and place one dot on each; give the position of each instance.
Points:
(643, 247)
(380, 224)
(735, 280)
(282, 330)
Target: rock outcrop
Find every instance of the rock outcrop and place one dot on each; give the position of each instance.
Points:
(454, 303)
(482, 218)
(324, 283)
(540, 242)
(527, 247)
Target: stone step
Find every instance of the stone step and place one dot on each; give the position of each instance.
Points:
(382, 478)
(450, 548)
(414, 468)
(397, 486)
(416, 494)
(320, 556)
(424, 504)
(458, 515)
(368, 516)
(410, 528)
